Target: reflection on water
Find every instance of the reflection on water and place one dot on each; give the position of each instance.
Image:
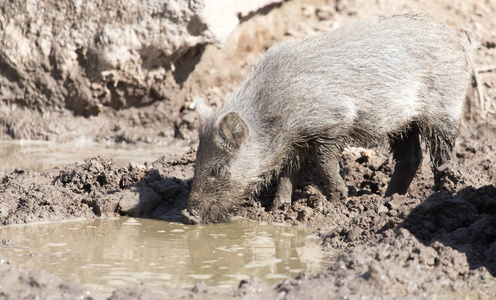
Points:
(106, 254)
(40, 155)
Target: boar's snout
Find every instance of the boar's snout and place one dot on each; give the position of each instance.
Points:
(206, 207)
(190, 217)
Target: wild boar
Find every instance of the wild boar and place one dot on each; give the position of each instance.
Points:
(395, 78)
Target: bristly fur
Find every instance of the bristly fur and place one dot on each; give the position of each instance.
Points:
(212, 205)
(385, 78)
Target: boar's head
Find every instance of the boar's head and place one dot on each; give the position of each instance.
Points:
(220, 180)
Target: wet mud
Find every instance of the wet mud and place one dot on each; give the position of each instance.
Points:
(428, 244)
(422, 244)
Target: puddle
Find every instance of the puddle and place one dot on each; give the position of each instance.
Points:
(40, 155)
(106, 254)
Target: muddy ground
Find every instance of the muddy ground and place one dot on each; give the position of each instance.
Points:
(426, 244)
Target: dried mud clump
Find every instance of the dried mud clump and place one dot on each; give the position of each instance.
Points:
(92, 189)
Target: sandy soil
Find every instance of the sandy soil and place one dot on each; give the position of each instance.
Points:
(426, 244)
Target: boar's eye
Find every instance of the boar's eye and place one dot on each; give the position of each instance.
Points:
(216, 172)
(212, 173)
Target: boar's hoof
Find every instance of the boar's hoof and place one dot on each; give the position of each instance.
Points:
(277, 204)
(189, 217)
(337, 195)
(281, 203)
(445, 177)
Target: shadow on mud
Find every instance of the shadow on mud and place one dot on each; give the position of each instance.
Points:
(465, 221)
(160, 198)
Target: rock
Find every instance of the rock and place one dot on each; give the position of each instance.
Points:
(138, 200)
(382, 209)
(354, 234)
(368, 155)
(396, 201)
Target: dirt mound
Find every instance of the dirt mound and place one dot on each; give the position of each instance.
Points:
(20, 284)
(96, 188)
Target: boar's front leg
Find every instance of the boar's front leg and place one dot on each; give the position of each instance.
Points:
(285, 186)
(327, 162)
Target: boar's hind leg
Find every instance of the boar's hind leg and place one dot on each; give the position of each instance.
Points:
(440, 144)
(328, 166)
(284, 191)
(408, 155)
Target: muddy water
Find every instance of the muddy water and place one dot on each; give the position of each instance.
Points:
(40, 155)
(106, 254)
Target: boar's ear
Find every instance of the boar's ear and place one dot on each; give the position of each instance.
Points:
(233, 130)
(204, 111)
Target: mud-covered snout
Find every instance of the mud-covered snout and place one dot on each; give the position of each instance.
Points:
(211, 202)
(192, 214)
(190, 217)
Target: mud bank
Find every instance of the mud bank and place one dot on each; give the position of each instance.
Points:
(426, 244)
(101, 68)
